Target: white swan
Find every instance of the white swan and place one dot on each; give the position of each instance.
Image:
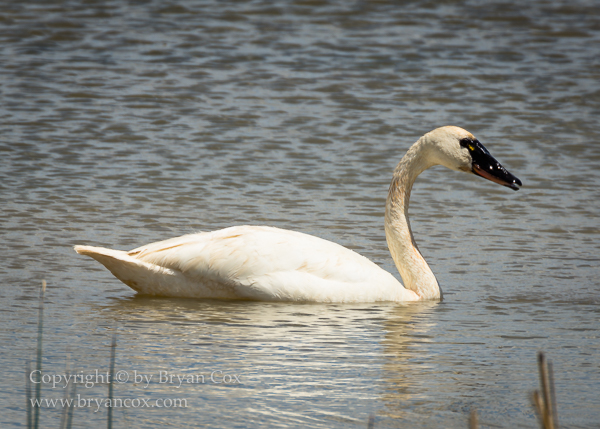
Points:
(271, 264)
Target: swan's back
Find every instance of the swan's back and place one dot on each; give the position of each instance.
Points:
(252, 262)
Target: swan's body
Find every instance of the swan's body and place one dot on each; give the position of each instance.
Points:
(252, 262)
(271, 264)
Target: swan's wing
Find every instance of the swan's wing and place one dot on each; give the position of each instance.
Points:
(248, 251)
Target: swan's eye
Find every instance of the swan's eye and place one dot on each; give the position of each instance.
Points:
(468, 143)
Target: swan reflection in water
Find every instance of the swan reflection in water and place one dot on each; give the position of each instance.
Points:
(293, 360)
(270, 264)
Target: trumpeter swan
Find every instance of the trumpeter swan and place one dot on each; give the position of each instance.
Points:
(271, 264)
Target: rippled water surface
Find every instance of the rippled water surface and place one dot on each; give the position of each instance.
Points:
(123, 123)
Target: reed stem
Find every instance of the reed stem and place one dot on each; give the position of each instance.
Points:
(113, 347)
(544, 402)
(38, 387)
(473, 420)
(28, 393)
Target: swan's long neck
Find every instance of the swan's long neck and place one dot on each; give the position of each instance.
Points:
(415, 272)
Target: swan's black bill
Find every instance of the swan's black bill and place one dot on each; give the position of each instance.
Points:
(486, 166)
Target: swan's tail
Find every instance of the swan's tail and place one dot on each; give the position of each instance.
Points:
(140, 276)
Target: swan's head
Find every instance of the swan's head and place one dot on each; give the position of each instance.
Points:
(459, 150)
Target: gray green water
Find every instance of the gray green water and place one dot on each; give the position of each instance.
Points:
(123, 123)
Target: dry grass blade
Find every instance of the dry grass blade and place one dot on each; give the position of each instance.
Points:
(371, 423)
(113, 348)
(473, 420)
(544, 401)
(38, 387)
(28, 394)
